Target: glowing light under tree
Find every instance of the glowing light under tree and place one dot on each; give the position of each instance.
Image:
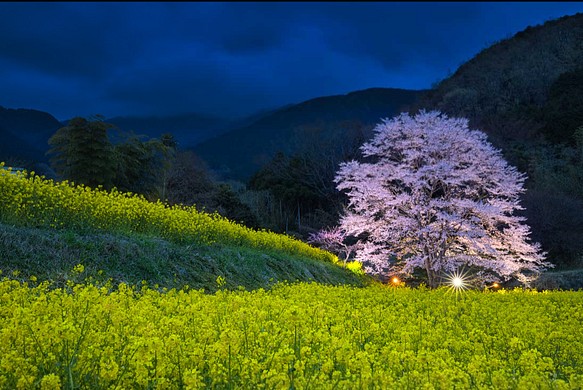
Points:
(437, 196)
(457, 281)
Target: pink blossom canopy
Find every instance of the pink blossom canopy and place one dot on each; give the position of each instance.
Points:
(436, 195)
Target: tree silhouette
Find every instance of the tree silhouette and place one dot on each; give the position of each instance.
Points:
(81, 152)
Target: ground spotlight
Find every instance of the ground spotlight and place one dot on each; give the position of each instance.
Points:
(457, 281)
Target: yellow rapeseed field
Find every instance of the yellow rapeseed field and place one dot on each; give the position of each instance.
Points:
(31, 200)
(300, 336)
(290, 337)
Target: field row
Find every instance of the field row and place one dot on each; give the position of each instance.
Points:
(293, 336)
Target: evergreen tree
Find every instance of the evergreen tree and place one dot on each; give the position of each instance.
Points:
(81, 152)
(142, 166)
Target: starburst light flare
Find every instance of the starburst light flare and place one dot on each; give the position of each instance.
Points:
(457, 281)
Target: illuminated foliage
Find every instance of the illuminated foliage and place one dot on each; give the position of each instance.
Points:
(437, 196)
(334, 240)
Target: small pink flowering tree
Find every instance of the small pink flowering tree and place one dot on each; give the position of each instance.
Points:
(334, 240)
(437, 196)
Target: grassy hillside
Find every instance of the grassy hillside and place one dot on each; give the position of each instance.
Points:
(49, 254)
(47, 228)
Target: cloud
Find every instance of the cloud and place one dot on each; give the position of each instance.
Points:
(226, 82)
(233, 58)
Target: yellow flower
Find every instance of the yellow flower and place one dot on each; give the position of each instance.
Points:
(50, 382)
(79, 268)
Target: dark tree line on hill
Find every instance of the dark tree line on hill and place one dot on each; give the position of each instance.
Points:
(293, 194)
(83, 152)
(298, 192)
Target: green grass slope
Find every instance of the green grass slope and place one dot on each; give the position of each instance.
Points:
(47, 228)
(50, 254)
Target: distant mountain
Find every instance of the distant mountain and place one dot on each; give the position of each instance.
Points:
(238, 153)
(188, 129)
(515, 88)
(238, 147)
(24, 134)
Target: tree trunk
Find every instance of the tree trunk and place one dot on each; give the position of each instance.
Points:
(431, 277)
(299, 220)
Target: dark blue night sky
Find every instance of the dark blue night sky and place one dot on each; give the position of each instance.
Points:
(232, 59)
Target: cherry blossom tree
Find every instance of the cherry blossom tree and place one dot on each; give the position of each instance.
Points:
(334, 240)
(435, 195)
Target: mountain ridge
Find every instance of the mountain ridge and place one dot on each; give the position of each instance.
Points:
(188, 129)
(511, 79)
(23, 139)
(24, 133)
(240, 152)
